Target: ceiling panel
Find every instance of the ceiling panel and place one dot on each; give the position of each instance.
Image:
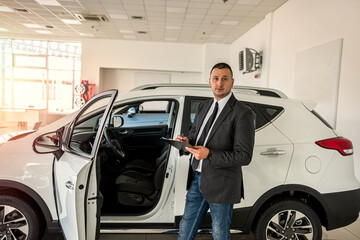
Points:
(190, 21)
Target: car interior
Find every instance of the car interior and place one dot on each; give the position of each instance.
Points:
(133, 157)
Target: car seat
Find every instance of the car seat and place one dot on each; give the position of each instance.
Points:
(136, 188)
(147, 166)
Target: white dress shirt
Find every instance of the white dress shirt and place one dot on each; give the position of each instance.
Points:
(222, 102)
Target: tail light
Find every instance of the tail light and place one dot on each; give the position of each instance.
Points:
(343, 145)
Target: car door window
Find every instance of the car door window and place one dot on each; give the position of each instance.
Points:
(264, 113)
(85, 127)
(190, 109)
(149, 113)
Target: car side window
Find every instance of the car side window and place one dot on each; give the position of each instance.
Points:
(264, 113)
(149, 113)
(194, 107)
(269, 112)
(190, 108)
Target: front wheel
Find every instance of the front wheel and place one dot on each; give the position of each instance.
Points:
(290, 220)
(18, 220)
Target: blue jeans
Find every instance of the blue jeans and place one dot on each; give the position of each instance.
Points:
(196, 208)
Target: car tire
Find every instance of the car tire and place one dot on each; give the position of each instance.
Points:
(18, 219)
(288, 219)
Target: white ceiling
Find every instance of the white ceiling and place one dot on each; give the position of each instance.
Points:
(185, 21)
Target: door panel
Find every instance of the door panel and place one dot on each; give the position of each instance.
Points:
(76, 171)
(270, 162)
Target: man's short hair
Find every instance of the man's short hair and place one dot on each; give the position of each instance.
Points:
(222, 66)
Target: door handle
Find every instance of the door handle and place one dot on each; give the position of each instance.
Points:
(273, 152)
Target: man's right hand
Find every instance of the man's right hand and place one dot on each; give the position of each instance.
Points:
(182, 138)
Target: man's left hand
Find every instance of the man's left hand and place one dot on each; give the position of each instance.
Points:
(199, 152)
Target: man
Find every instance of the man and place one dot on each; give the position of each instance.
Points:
(223, 138)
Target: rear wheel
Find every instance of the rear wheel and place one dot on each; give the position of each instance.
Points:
(290, 220)
(18, 219)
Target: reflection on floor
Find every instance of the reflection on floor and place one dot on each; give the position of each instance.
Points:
(351, 232)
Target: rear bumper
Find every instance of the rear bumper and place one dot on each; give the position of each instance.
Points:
(342, 208)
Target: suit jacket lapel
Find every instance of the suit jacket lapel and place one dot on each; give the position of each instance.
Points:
(201, 116)
(227, 109)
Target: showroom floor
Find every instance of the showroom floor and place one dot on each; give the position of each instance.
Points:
(351, 232)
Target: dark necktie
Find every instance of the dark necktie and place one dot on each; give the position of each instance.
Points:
(204, 134)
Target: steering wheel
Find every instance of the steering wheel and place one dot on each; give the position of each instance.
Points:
(115, 143)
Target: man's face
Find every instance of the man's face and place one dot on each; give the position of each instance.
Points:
(221, 82)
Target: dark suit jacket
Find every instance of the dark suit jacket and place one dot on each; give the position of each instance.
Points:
(231, 143)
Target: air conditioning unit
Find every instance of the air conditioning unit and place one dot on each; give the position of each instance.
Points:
(250, 60)
(91, 17)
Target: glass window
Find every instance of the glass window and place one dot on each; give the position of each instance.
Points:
(39, 74)
(194, 107)
(268, 111)
(190, 110)
(85, 127)
(150, 113)
(264, 113)
(30, 61)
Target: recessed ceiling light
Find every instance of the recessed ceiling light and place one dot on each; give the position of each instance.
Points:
(249, 2)
(142, 32)
(175, 10)
(86, 34)
(173, 27)
(231, 23)
(49, 26)
(119, 16)
(71, 21)
(5, 9)
(43, 32)
(126, 31)
(31, 25)
(3, 29)
(48, 2)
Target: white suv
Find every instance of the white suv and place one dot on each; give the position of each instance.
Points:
(106, 169)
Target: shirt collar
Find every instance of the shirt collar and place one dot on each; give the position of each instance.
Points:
(222, 102)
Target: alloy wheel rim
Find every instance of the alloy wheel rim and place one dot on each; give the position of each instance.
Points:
(13, 224)
(289, 225)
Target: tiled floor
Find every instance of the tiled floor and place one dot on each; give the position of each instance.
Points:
(351, 232)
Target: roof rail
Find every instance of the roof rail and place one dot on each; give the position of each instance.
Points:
(261, 91)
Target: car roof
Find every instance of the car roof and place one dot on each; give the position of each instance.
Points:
(165, 91)
(246, 89)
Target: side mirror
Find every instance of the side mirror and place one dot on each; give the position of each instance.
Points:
(47, 143)
(131, 112)
(117, 121)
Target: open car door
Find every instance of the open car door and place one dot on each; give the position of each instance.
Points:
(77, 170)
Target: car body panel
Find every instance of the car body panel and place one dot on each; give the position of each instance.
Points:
(76, 178)
(269, 165)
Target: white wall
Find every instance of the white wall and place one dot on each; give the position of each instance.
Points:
(258, 38)
(118, 54)
(300, 25)
(213, 54)
(177, 58)
(127, 79)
